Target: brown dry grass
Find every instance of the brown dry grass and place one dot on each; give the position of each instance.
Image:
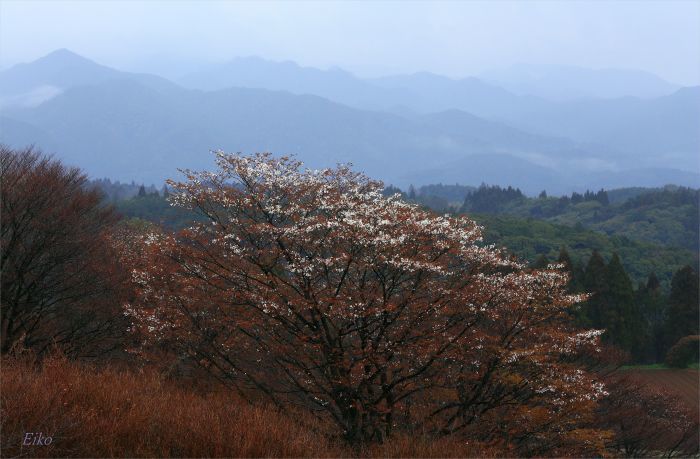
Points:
(107, 413)
(110, 413)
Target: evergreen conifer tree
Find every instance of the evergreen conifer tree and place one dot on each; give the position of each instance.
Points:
(683, 310)
(577, 279)
(620, 317)
(653, 283)
(652, 303)
(565, 259)
(594, 283)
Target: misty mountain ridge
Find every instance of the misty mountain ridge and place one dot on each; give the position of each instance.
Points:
(180, 127)
(134, 126)
(624, 119)
(566, 82)
(35, 82)
(658, 131)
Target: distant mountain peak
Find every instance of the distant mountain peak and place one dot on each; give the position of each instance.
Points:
(63, 52)
(57, 71)
(64, 56)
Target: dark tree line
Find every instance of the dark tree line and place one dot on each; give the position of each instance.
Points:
(493, 198)
(116, 191)
(669, 195)
(643, 321)
(490, 199)
(601, 196)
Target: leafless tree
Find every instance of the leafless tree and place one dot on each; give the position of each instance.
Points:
(60, 282)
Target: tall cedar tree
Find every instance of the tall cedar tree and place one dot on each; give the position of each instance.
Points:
(683, 310)
(652, 303)
(621, 316)
(313, 288)
(595, 283)
(60, 283)
(565, 259)
(574, 286)
(612, 304)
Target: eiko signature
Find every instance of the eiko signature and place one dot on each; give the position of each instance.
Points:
(36, 439)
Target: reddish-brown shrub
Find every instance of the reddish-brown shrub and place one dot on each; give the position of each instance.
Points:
(684, 352)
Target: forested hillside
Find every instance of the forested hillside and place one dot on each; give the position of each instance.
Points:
(531, 239)
(666, 216)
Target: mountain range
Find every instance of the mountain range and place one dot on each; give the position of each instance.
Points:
(420, 128)
(565, 82)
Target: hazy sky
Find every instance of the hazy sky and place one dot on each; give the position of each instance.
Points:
(369, 38)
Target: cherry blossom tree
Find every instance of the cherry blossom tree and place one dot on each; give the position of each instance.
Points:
(313, 289)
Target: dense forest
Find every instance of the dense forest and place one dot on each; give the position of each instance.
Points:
(322, 303)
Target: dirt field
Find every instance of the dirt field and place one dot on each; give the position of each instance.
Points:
(685, 383)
